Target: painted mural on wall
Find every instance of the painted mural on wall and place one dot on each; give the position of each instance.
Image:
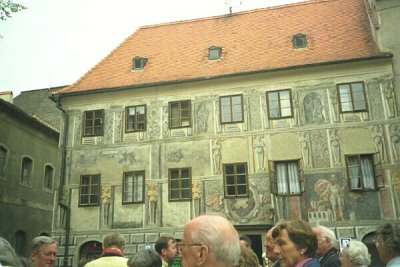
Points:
(320, 150)
(88, 158)
(328, 199)
(314, 109)
(254, 209)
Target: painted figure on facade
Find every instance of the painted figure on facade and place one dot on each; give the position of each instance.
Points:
(105, 200)
(305, 148)
(216, 152)
(378, 137)
(331, 197)
(259, 149)
(335, 146)
(395, 138)
(152, 197)
(334, 102)
(202, 118)
(313, 109)
(389, 97)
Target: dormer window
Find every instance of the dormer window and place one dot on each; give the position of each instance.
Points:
(299, 41)
(138, 63)
(214, 53)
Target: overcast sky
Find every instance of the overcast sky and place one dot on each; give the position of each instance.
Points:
(55, 42)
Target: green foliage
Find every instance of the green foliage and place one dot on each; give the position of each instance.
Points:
(7, 7)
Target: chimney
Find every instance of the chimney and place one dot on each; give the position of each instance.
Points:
(7, 96)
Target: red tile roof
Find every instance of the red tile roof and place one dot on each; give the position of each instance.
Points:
(251, 41)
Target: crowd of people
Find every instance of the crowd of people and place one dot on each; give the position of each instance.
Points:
(212, 241)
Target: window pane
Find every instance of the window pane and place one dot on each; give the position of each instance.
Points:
(241, 168)
(354, 172)
(174, 194)
(229, 169)
(185, 193)
(174, 184)
(230, 180)
(241, 179)
(185, 183)
(242, 190)
(367, 172)
(230, 190)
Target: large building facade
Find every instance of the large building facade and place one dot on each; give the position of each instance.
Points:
(279, 113)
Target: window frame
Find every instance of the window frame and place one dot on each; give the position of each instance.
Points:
(235, 178)
(377, 172)
(133, 201)
(211, 52)
(352, 97)
(180, 102)
(299, 36)
(279, 117)
(3, 161)
(231, 109)
(274, 179)
(144, 122)
(89, 194)
(93, 127)
(46, 181)
(22, 176)
(142, 62)
(180, 188)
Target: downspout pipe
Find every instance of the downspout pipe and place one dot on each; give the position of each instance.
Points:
(63, 205)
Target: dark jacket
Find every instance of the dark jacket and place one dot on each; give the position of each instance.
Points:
(331, 258)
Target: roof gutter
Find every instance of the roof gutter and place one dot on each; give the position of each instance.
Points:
(207, 78)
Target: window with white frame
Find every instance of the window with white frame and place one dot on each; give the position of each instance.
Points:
(133, 187)
(286, 177)
(279, 104)
(231, 108)
(363, 173)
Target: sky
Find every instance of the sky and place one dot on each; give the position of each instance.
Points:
(55, 42)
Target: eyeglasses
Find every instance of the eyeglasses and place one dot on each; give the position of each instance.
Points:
(179, 246)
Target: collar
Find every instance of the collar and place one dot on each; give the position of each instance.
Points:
(303, 262)
(113, 251)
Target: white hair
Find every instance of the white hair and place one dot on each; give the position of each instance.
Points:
(220, 236)
(357, 252)
(328, 233)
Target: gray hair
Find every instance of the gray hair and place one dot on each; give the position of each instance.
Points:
(328, 233)
(145, 258)
(390, 234)
(220, 236)
(114, 239)
(8, 257)
(358, 253)
(39, 241)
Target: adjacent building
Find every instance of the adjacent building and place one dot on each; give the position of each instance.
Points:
(288, 112)
(29, 171)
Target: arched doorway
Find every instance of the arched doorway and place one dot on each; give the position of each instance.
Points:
(89, 251)
(367, 240)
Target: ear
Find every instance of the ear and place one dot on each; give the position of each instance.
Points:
(203, 255)
(164, 251)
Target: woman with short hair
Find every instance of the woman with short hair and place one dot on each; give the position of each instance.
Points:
(145, 258)
(296, 243)
(355, 254)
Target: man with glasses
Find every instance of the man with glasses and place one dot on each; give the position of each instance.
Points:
(166, 248)
(329, 255)
(387, 243)
(209, 241)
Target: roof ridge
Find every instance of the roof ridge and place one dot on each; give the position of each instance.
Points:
(303, 2)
